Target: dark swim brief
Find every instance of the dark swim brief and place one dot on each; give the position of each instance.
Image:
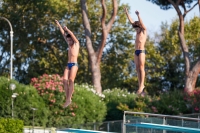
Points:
(70, 65)
(137, 52)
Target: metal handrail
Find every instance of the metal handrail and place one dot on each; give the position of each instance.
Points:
(160, 115)
(164, 117)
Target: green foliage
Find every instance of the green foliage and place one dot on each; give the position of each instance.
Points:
(26, 99)
(161, 104)
(192, 35)
(86, 105)
(11, 125)
(165, 4)
(115, 97)
(170, 103)
(118, 55)
(140, 104)
(153, 68)
(170, 51)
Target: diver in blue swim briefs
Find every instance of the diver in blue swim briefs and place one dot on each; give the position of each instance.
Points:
(139, 58)
(72, 65)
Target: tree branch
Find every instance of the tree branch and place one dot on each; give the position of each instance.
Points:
(178, 2)
(181, 17)
(184, 8)
(103, 19)
(176, 7)
(104, 32)
(114, 14)
(190, 9)
(106, 28)
(185, 53)
(87, 28)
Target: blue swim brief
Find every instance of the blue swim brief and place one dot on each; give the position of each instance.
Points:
(137, 52)
(70, 65)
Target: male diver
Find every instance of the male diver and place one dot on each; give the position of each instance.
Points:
(72, 65)
(139, 58)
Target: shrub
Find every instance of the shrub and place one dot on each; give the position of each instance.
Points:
(193, 100)
(140, 104)
(11, 126)
(86, 105)
(115, 97)
(26, 99)
(170, 103)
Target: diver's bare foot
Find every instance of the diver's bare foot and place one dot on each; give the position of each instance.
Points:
(66, 104)
(140, 90)
(143, 94)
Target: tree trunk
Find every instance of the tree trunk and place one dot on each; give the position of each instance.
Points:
(190, 73)
(192, 77)
(95, 56)
(96, 74)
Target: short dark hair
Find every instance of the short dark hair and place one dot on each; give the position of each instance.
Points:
(68, 36)
(136, 24)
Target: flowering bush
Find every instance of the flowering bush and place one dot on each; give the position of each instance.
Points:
(49, 86)
(87, 105)
(170, 103)
(193, 100)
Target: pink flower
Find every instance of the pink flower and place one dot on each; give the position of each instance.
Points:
(34, 80)
(47, 85)
(36, 85)
(196, 109)
(154, 109)
(53, 88)
(73, 114)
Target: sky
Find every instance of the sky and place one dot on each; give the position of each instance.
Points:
(153, 16)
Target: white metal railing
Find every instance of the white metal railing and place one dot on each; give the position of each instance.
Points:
(164, 117)
(39, 130)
